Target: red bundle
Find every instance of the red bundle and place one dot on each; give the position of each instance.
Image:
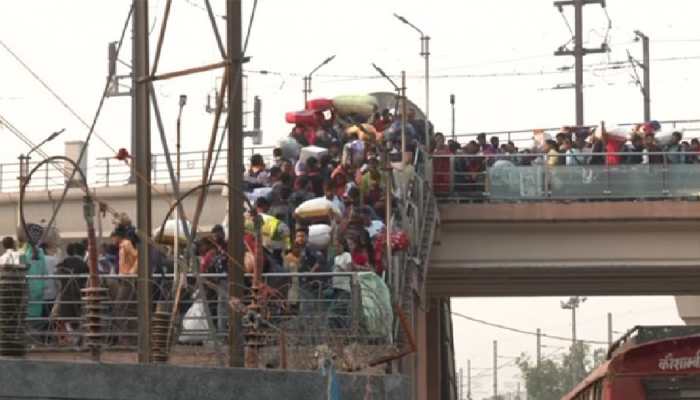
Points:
(399, 242)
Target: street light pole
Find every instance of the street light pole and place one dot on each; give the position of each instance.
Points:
(24, 162)
(401, 93)
(176, 239)
(307, 78)
(425, 53)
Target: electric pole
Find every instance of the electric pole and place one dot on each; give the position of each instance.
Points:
(460, 385)
(645, 86)
(579, 51)
(142, 168)
(469, 379)
(539, 347)
(495, 369)
(610, 330)
(235, 176)
(573, 304)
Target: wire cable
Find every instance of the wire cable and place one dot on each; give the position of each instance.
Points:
(524, 332)
(53, 92)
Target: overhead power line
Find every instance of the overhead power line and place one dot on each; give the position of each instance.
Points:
(487, 371)
(589, 68)
(524, 332)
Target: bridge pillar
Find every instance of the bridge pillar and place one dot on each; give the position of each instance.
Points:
(689, 309)
(428, 356)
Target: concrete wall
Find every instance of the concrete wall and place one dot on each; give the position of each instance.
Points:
(33, 380)
(40, 204)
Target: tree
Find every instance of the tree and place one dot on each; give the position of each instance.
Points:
(546, 382)
(554, 378)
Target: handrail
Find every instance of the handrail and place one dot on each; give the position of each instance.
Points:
(528, 176)
(579, 154)
(108, 171)
(511, 131)
(202, 275)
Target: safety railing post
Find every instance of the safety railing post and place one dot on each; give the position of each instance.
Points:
(547, 179)
(664, 177)
(46, 177)
(356, 304)
(451, 177)
(608, 190)
(107, 171)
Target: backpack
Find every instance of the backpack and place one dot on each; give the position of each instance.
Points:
(219, 265)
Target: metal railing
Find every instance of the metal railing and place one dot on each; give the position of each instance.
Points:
(112, 172)
(307, 309)
(522, 138)
(108, 171)
(527, 176)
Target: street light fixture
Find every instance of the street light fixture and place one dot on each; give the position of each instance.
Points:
(401, 94)
(307, 78)
(24, 159)
(51, 137)
(425, 53)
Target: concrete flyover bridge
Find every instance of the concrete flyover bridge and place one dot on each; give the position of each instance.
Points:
(509, 228)
(560, 249)
(513, 227)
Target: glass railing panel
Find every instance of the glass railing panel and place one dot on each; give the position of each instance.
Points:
(516, 183)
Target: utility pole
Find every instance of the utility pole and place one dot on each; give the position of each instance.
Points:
(579, 51)
(646, 66)
(235, 177)
(610, 330)
(469, 379)
(495, 369)
(142, 168)
(460, 386)
(539, 347)
(573, 304)
(115, 91)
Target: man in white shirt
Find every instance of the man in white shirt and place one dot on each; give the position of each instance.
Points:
(11, 255)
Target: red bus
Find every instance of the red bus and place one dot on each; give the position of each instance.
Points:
(647, 363)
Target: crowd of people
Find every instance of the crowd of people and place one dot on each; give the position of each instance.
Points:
(49, 297)
(341, 164)
(643, 144)
(335, 171)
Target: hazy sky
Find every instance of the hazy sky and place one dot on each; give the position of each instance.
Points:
(65, 42)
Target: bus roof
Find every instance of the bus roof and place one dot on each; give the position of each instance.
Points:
(618, 357)
(600, 372)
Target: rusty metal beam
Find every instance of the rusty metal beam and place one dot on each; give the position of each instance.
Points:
(184, 72)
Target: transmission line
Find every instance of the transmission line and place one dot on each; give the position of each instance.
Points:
(524, 332)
